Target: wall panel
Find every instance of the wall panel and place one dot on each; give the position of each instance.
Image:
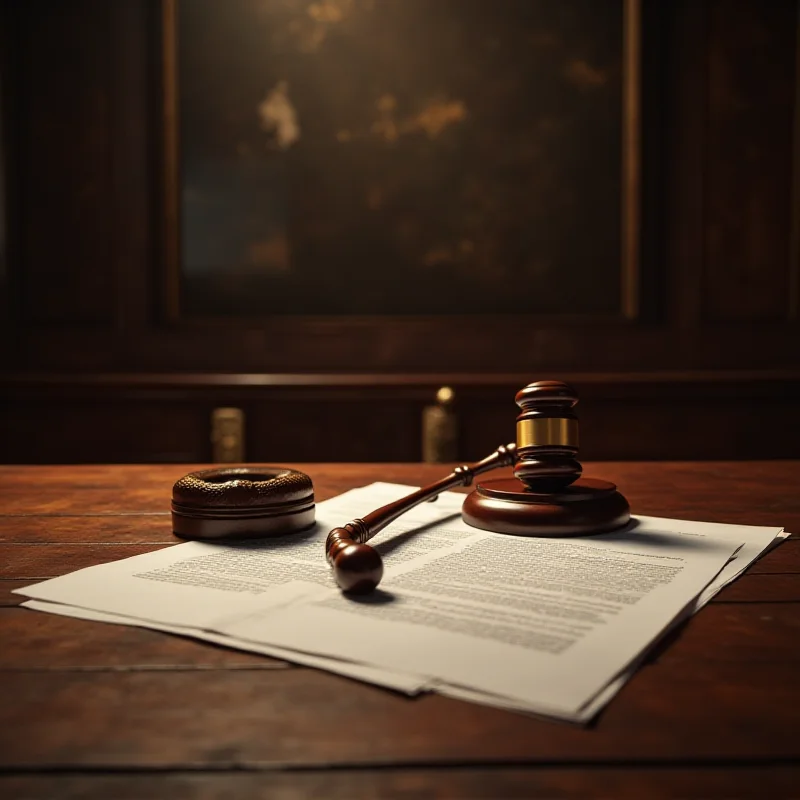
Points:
(63, 51)
(751, 94)
(94, 370)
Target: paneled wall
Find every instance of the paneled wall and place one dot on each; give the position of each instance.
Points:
(96, 368)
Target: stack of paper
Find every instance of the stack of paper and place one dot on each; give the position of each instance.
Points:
(546, 626)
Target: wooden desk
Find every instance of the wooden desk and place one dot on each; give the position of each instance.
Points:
(105, 711)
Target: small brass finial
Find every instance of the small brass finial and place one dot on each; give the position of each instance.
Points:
(445, 396)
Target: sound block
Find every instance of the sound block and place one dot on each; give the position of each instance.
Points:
(508, 506)
(242, 503)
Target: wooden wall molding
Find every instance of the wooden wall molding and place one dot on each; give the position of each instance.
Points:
(610, 381)
(151, 417)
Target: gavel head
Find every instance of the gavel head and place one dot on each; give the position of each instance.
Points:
(547, 437)
(357, 567)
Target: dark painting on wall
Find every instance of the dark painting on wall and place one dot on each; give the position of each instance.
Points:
(388, 157)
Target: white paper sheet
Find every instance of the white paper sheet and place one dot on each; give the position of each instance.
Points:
(411, 684)
(546, 622)
(744, 558)
(544, 626)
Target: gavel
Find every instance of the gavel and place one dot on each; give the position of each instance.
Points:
(357, 567)
(546, 497)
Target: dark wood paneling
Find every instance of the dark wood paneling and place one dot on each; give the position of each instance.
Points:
(397, 345)
(362, 417)
(10, 86)
(5, 80)
(751, 95)
(132, 213)
(51, 430)
(84, 86)
(654, 428)
(65, 145)
(683, 157)
(330, 428)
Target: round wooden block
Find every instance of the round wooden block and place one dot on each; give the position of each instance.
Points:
(585, 507)
(242, 503)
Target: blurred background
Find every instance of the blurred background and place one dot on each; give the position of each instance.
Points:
(350, 230)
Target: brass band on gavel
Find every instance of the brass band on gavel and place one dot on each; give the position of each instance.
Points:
(547, 431)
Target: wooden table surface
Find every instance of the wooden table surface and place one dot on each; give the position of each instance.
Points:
(107, 711)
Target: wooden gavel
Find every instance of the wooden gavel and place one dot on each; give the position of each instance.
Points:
(546, 497)
(357, 567)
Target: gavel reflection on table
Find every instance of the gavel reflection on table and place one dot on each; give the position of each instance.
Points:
(546, 496)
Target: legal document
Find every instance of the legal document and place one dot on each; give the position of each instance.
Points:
(545, 626)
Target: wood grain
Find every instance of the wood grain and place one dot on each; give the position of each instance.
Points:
(679, 711)
(762, 588)
(33, 562)
(740, 632)
(788, 562)
(144, 528)
(8, 600)
(685, 490)
(86, 490)
(35, 641)
(463, 783)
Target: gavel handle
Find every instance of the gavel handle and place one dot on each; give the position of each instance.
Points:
(357, 567)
